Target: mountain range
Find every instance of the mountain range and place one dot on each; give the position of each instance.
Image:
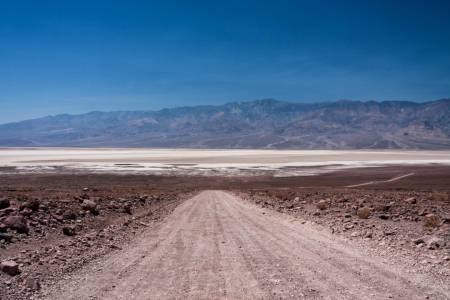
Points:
(265, 124)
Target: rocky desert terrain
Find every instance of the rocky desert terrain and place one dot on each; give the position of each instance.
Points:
(368, 233)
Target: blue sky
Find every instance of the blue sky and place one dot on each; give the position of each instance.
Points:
(79, 56)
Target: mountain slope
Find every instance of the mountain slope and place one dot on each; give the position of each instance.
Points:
(258, 124)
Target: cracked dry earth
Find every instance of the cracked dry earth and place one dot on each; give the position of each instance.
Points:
(216, 246)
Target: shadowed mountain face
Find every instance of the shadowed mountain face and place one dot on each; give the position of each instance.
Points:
(257, 124)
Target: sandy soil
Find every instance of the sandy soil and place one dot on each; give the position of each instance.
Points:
(216, 246)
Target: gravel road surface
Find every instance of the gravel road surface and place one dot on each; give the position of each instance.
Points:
(216, 246)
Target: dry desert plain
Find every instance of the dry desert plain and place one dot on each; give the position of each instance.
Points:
(224, 224)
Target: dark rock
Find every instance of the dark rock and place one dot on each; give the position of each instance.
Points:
(3, 228)
(32, 283)
(127, 208)
(17, 222)
(32, 204)
(4, 203)
(9, 267)
(6, 236)
(68, 230)
(69, 215)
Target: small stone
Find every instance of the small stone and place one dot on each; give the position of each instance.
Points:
(4, 203)
(6, 236)
(369, 235)
(435, 243)
(9, 267)
(32, 204)
(69, 215)
(17, 222)
(68, 230)
(89, 205)
(410, 200)
(32, 283)
(127, 208)
(355, 234)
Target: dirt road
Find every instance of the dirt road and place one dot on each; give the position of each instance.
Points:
(215, 246)
(375, 182)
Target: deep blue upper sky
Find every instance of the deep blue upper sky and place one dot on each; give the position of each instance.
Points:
(78, 56)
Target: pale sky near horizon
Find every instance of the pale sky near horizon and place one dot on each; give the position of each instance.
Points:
(80, 56)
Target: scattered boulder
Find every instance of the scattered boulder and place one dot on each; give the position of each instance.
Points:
(69, 215)
(32, 204)
(68, 230)
(3, 228)
(4, 203)
(6, 236)
(432, 242)
(9, 267)
(89, 205)
(32, 283)
(17, 222)
(127, 208)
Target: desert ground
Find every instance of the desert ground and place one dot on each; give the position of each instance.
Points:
(341, 225)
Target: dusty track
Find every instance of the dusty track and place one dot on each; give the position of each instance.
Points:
(215, 246)
(375, 182)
